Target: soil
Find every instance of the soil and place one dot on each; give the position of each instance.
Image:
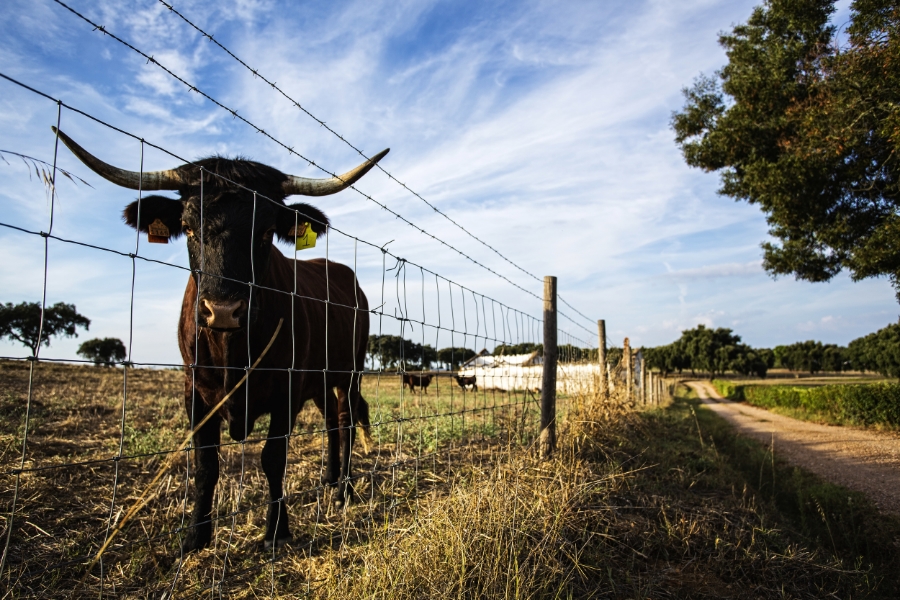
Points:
(860, 459)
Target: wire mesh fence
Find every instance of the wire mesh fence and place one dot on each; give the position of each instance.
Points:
(120, 480)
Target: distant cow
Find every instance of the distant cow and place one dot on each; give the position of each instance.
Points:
(239, 288)
(467, 381)
(413, 381)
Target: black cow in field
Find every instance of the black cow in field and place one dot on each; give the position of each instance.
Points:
(413, 381)
(239, 288)
(467, 381)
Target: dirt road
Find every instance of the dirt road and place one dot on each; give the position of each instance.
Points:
(863, 460)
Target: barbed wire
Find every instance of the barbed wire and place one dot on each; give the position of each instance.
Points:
(256, 73)
(234, 113)
(331, 130)
(404, 451)
(290, 149)
(400, 260)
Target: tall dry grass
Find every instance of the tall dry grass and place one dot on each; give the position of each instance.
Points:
(468, 513)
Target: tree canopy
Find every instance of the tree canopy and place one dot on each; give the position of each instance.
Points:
(103, 351)
(453, 357)
(812, 356)
(879, 351)
(22, 322)
(710, 350)
(809, 130)
(523, 348)
(393, 351)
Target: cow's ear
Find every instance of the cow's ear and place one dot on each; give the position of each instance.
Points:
(155, 208)
(286, 219)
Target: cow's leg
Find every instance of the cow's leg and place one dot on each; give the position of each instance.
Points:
(274, 462)
(346, 424)
(332, 427)
(206, 475)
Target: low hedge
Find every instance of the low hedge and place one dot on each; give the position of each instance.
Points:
(727, 389)
(856, 404)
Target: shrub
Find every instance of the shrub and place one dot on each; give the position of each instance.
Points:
(861, 404)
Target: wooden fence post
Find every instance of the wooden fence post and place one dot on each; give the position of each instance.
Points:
(601, 355)
(643, 379)
(629, 374)
(548, 387)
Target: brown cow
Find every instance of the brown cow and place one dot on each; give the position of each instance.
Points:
(245, 286)
(466, 381)
(413, 381)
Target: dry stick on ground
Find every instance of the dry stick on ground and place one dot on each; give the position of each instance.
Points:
(145, 497)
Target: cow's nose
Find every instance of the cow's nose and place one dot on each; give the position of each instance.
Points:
(224, 314)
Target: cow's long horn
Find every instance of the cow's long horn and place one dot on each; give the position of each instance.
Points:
(304, 186)
(133, 180)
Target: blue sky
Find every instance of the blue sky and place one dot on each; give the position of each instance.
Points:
(542, 128)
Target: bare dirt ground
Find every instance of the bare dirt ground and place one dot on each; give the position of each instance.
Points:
(860, 459)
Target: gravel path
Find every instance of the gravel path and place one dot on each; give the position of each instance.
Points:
(860, 459)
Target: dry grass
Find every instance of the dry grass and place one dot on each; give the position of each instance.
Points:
(453, 506)
(64, 495)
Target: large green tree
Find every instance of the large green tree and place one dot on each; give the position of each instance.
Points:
(809, 130)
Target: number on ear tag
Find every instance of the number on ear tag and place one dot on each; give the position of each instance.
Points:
(158, 233)
(305, 236)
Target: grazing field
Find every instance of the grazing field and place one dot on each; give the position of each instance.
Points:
(661, 503)
(70, 477)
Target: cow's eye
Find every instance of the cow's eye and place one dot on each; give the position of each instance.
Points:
(187, 230)
(267, 236)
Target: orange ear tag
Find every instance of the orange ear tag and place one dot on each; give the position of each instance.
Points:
(305, 236)
(158, 233)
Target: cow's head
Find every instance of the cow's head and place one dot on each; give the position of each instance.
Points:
(230, 210)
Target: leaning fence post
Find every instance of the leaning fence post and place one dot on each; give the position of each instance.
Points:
(548, 388)
(601, 354)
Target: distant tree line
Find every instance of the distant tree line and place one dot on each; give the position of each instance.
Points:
(715, 351)
(395, 352)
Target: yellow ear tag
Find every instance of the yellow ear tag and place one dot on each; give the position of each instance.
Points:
(158, 233)
(305, 236)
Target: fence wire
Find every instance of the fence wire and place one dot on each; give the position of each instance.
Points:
(99, 493)
(234, 113)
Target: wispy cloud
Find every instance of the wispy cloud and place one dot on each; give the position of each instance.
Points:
(716, 271)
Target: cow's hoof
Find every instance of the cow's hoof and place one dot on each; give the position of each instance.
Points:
(196, 540)
(277, 543)
(344, 496)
